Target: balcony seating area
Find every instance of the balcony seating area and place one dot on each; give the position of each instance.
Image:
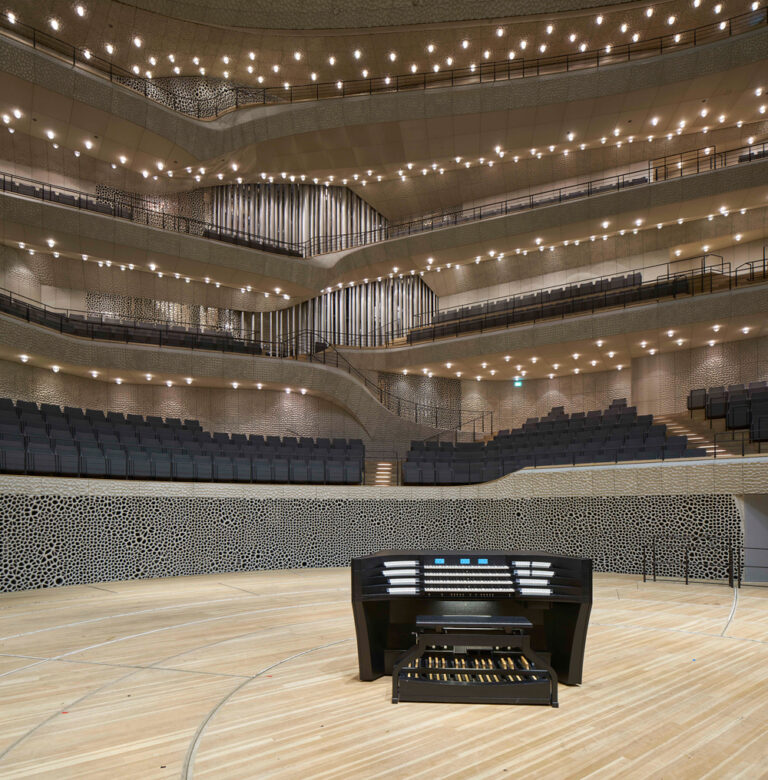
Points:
(743, 407)
(558, 302)
(134, 331)
(615, 435)
(71, 442)
(750, 155)
(126, 211)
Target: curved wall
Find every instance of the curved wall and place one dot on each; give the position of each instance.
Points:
(349, 14)
(332, 384)
(140, 529)
(239, 129)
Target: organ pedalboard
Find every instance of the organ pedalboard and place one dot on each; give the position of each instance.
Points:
(477, 627)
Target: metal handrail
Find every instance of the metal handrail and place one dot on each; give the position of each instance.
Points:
(698, 282)
(301, 345)
(234, 97)
(658, 272)
(314, 342)
(673, 166)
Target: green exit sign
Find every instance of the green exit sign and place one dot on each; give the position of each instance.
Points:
(518, 383)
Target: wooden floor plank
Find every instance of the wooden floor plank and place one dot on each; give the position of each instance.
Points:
(255, 675)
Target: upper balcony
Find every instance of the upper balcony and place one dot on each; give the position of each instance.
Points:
(207, 94)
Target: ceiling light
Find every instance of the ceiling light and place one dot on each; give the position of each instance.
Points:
(611, 354)
(745, 330)
(118, 381)
(24, 358)
(137, 42)
(54, 24)
(499, 31)
(680, 342)
(649, 12)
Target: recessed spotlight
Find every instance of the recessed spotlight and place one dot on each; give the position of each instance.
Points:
(118, 381)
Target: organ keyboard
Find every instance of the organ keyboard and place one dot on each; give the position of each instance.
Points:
(396, 594)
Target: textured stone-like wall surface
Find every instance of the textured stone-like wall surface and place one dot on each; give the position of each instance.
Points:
(51, 540)
(660, 384)
(512, 406)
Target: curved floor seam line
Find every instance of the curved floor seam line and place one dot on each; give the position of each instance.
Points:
(679, 631)
(138, 667)
(733, 611)
(189, 759)
(100, 688)
(155, 609)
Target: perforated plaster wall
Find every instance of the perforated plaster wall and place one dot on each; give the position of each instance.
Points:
(51, 540)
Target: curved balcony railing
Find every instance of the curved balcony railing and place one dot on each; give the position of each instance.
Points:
(672, 166)
(230, 98)
(305, 345)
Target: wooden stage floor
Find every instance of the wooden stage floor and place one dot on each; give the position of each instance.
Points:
(254, 676)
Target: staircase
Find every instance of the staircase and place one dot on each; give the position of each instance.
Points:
(381, 473)
(699, 433)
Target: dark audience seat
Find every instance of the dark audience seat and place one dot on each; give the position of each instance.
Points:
(90, 443)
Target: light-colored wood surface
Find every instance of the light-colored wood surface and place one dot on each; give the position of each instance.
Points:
(254, 676)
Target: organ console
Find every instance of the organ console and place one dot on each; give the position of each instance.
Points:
(472, 626)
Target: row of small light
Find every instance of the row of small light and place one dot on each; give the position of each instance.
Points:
(392, 56)
(153, 268)
(168, 382)
(412, 168)
(541, 246)
(522, 372)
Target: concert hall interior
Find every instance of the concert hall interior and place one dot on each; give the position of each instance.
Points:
(383, 388)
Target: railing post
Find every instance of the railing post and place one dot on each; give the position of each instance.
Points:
(653, 558)
(730, 565)
(645, 556)
(686, 564)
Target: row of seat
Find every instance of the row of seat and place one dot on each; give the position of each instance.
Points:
(542, 296)
(120, 465)
(73, 442)
(156, 334)
(126, 211)
(743, 407)
(463, 473)
(615, 435)
(645, 292)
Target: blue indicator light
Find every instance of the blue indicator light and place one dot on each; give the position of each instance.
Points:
(464, 560)
(439, 560)
(482, 560)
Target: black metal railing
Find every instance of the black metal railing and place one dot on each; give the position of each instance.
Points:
(303, 345)
(670, 282)
(680, 284)
(228, 98)
(114, 206)
(673, 166)
(653, 273)
(669, 556)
